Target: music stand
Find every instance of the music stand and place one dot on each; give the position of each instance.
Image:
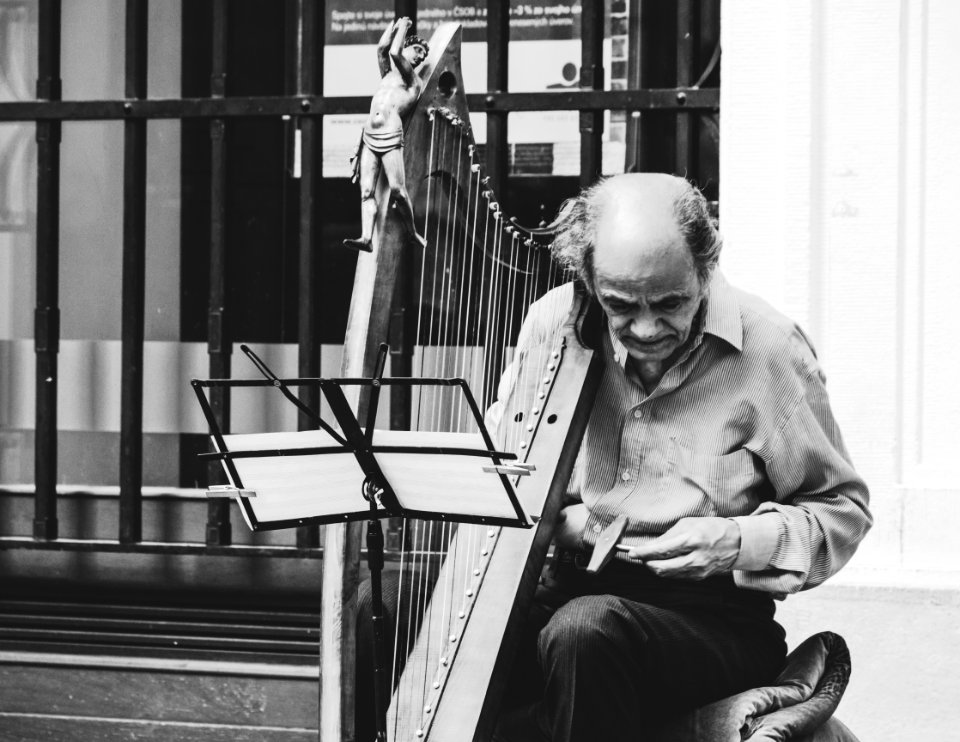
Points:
(376, 474)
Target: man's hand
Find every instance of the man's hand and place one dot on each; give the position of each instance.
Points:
(694, 549)
(573, 519)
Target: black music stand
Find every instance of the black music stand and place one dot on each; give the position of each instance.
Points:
(382, 488)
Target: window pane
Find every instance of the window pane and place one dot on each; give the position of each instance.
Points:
(544, 54)
(92, 48)
(18, 50)
(164, 37)
(17, 298)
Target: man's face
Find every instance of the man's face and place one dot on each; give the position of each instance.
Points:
(415, 54)
(646, 282)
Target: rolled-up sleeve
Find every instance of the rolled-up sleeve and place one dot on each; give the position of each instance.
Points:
(819, 512)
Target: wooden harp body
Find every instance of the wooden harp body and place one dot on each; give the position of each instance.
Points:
(481, 587)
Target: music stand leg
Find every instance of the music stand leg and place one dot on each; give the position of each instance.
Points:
(380, 676)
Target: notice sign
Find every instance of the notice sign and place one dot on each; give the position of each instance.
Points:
(362, 21)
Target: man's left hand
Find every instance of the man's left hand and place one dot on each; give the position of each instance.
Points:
(693, 549)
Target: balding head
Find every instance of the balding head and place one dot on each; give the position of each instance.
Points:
(649, 208)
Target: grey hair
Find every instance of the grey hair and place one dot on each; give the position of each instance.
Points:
(574, 242)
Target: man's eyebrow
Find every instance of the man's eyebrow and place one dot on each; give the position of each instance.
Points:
(619, 298)
(670, 296)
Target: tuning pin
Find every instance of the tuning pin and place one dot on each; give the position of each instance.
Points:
(471, 149)
(528, 242)
(509, 229)
(475, 167)
(486, 181)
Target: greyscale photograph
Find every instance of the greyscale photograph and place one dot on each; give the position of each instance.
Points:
(479, 371)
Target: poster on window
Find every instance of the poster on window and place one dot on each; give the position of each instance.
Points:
(544, 55)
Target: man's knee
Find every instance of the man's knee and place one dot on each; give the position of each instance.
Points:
(588, 625)
(366, 194)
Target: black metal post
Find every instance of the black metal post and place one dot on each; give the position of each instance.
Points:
(406, 8)
(134, 259)
(591, 77)
(47, 311)
(219, 343)
(498, 51)
(309, 80)
(687, 17)
(631, 157)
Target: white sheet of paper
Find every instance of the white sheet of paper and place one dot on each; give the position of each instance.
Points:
(320, 485)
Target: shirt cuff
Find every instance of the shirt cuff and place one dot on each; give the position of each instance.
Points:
(759, 536)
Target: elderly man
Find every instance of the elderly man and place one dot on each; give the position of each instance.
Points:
(713, 435)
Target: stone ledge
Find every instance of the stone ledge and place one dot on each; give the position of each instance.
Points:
(895, 580)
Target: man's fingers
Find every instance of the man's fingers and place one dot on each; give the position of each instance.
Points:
(667, 546)
(683, 567)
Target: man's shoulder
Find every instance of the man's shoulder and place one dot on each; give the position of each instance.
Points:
(772, 336)
(548, 313)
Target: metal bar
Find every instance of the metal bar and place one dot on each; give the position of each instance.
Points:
(631, 159)
(219, 344)
(47, 313)
(309, 80)
(498, 46)
(665, 99)
(156, 547)
(134, 259)
(406, 8)
(685, 143)
(186, 547)
(591, 78)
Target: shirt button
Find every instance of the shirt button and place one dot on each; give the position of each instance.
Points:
(638, 413)
(625, 476)
(597, 528)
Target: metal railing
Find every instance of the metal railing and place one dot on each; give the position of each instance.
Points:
(307, 105)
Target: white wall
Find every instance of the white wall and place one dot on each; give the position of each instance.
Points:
(839, 157)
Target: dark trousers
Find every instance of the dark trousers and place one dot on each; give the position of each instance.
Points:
(605, 654)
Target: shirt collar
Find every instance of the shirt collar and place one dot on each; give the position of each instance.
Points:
(723, 312)
(722, 319)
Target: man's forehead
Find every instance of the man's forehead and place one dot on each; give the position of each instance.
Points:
(642, 200)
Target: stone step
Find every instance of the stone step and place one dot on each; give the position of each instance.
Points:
(47, 696)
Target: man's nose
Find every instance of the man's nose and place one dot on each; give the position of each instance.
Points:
(643, 326)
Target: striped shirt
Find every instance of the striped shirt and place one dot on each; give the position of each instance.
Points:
(739, 427)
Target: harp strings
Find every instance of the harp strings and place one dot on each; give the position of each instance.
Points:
(476, 276)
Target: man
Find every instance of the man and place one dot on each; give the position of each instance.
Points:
(713, 435)
(381, 143)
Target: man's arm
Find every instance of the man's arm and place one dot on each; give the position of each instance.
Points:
(820, 511)
(809, 530)
(383, 48)
(396, 51)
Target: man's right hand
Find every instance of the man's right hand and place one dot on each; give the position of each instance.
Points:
(573, 519)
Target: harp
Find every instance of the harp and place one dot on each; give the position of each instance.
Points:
(478, 274)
